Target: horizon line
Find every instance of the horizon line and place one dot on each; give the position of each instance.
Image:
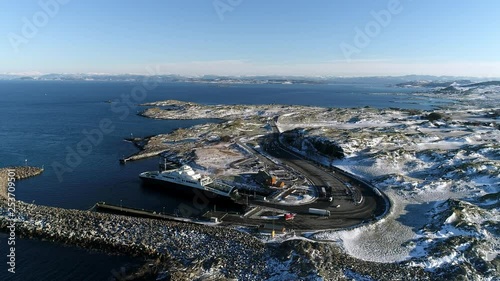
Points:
(36, 74)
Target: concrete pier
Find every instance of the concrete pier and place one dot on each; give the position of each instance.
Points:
(140, 213)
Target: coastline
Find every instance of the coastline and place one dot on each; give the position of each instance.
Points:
(186, 251)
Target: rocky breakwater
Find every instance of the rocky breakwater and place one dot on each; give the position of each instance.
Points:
(18, 173)
(225, 251)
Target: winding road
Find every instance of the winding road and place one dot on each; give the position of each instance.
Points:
(344, 212)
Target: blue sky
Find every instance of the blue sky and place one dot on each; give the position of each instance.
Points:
(252, 37)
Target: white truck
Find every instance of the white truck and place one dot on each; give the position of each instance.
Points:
(321, 212)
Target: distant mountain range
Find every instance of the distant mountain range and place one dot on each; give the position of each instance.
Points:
(433, 83)
(425, 81)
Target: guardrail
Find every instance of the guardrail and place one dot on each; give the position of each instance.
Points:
(386, 199)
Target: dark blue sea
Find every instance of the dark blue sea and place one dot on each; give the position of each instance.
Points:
(42, 121)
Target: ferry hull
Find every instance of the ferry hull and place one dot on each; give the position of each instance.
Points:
(185, 191)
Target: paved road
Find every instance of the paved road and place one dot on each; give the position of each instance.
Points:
(348, 214)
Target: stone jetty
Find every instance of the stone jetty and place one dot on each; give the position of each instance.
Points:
(19, 173)
(186, 243)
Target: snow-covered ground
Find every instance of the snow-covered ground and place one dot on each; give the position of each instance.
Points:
(382, 241)
(218, 158)
(421, 165)
(301, 195)
(426, 168)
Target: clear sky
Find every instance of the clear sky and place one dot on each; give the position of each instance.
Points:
(252, 37)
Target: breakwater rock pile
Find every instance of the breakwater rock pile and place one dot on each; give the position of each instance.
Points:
(18, 173)
(21, 172)
(235, 252)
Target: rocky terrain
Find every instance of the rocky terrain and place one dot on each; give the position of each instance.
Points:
(174, 109)
(181, 143)
(459, 233)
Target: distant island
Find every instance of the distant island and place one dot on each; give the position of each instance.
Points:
(426, 81)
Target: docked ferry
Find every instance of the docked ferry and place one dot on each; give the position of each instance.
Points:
(187, 181)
